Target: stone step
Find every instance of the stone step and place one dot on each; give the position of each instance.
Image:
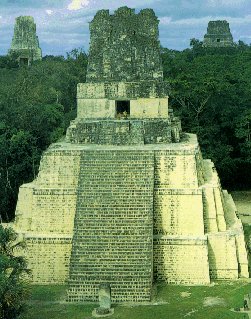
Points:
(113, 226)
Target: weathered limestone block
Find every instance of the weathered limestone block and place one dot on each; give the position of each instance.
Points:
(210, 213)
(181, 260)
(176, 169)
(236, 228)
(53, 190)
(120, 132)
(121, 90)
(220, 209)
(25, 41)
(105, 296)
(199, 168)
(124, 82)
(176, 210)
(177, 204)
(227, 253)
(140, 108)
(24, 208)
(96, 108)
(222, 255)
(149, 108)
(48, 257)
(215, 210)
(144, 104)
(59, 169)
(35, 207)
(241, 252)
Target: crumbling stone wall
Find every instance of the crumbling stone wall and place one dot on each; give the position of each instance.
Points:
(218, 34)
(121, 132)
(124, 46)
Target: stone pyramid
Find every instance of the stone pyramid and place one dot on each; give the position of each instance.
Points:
(218, 34)
(25, 43)
(127, 198)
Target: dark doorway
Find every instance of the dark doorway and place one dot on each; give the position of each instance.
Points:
(24, 61)
(122, 108)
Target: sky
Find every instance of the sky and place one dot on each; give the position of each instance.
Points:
(62, 25)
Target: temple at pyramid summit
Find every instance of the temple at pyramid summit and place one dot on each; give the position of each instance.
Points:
(127, 199)
(25, 43)
(218, 34)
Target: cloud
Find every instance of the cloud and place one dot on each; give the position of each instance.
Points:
(165, 20)
(226, 3)
(78, 4)
(204, 20)
(27, 4)
(49, 12)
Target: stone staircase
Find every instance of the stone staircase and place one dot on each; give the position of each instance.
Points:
(113, 230)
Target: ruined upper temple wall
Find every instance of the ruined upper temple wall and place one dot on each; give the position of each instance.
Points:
(124, 46)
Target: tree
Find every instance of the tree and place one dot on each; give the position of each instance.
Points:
(36, 105)
(210, 91)
(13, 286)
(197, 47)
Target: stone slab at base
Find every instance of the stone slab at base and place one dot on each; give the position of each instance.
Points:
(95, 314)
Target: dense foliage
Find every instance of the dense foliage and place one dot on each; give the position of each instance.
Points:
(36, 105)
(210, 89)
(13, 287)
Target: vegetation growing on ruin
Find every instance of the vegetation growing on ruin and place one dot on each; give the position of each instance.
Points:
(210, 89)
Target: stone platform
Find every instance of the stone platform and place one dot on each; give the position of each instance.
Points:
(124, 132)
